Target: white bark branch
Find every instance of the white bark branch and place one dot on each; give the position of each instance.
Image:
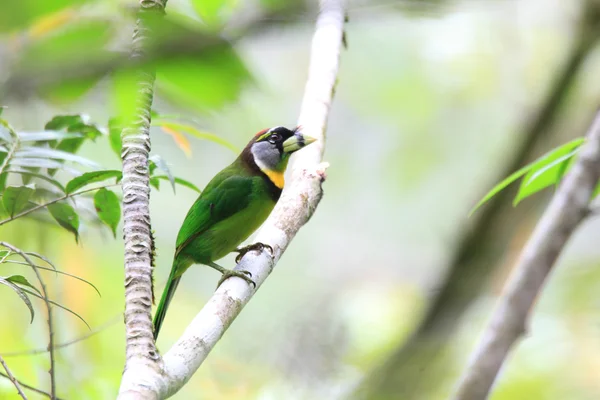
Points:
(567, 209)
(297, 204)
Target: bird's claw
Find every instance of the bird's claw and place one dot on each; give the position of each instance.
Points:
(254, 246)
(245, 275)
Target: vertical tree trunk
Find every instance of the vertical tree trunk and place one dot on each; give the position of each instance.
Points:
(141, 353)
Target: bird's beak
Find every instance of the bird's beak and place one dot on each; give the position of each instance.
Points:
(297, 142)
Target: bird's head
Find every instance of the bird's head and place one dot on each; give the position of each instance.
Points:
(271, 148)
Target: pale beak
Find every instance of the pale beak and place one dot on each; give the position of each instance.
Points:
(297, 142)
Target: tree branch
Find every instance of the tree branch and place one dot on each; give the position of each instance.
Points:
(33, 389)
(44, 205)
(48, 304)
(567, 209)
(297, 204)
(141, 353)
(12, 378)
(408, 371)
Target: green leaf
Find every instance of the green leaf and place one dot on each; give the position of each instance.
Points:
(293, 7)
(74, 124)
(125, 95)
(108, 208)
(16, 198)
(4, 255)
(532, 168)
(30, 174)
(115, 127)
(2, 109)
(596, 191)
(92, 177)
(179, 181)
(45, 153)
(53, 269)
(544, 175)
(77, 43)
(25, 12)
(162, 165)
(21, 293)
(35, 163)
(21, 280)
(5, 135)
(196, 132)
(213, 12)
(46, 136)
(206, 82)
(155, 182)
(69, 90)
(502, 185)
(66, 217)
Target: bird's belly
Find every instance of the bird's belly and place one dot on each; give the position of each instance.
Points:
(226, 235)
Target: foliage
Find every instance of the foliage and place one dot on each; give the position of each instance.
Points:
(546, 171)
(42, 176)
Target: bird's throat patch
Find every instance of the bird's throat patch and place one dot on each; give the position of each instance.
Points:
(274, 176)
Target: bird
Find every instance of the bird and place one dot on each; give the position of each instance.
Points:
(233, 205)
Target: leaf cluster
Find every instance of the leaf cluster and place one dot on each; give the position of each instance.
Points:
(546, 171)
(43, 177)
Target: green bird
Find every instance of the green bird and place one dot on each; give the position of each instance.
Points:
(231, 207)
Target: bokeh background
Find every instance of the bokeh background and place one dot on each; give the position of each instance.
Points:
(434, 103)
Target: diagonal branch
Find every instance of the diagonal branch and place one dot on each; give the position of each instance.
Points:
(409, 369)
(32, 388)
(567, 209)
(13, 379)
(295, 207)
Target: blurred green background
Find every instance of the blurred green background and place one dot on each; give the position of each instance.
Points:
(432, 100)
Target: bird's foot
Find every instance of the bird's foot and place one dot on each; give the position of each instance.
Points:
(254, 246)
(228, 273)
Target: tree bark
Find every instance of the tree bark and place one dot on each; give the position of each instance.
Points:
(141, 352)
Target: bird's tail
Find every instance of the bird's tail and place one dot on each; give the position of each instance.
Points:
(161, 310)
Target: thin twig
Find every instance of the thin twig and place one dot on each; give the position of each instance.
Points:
(101, 328)
(49, 312)
(66, 196)
(57, 272)
(564, 214)
(33, 389)
(12, 378)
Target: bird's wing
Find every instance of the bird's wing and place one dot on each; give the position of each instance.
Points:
(219, 201)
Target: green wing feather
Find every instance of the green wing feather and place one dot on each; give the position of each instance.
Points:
(225, 195)
(231, 196)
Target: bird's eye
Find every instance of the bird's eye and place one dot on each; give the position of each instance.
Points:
(274, 138)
